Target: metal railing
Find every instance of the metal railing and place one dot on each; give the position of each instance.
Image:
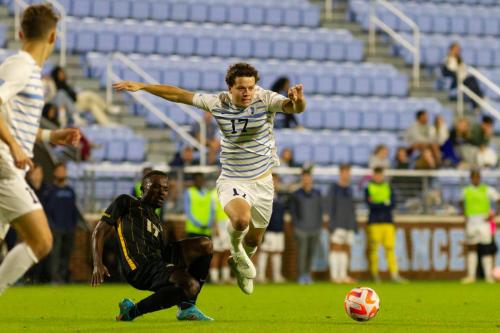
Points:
(414, 47)
(462, 89)
(61, 30)
(113, 77)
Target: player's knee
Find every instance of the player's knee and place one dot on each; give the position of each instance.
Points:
(206, 246)
(241, 220)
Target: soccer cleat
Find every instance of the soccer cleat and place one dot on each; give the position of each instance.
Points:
(125, 306)
(192, 313)
(245, 284)
(244, 265)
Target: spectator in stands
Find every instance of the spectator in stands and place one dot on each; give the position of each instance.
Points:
(342, 226)
(219, 267)
(199, 207)
(452, 149)
(62, 214)
(402, 161)
(184, 158)
(212, 140)
(174, 203)
(273, 245)
(420, 138)
(439, 132)
(455, 68)
(380, 199)
(286, 158)
(476, 207)
(51, 114)
(283, 120)
(67, 113)
(307, 219)
(478, 140)
(85, 100)
(380, 158)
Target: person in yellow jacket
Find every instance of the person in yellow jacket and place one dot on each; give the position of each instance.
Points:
(219, 268)
(199, 207)
(380, 199)
(476, 207)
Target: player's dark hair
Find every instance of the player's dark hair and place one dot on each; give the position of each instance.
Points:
(306, 171)
(378, 170)
(197, 175)
(154, 173)
(59, 165)
(279, 84)
(475, 172)
(38, 21)
(240, 69)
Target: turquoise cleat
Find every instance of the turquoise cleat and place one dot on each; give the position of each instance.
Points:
(192, 313)
(125, 306)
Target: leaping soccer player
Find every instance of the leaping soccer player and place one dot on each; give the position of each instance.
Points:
(245, 116)
(174, 271)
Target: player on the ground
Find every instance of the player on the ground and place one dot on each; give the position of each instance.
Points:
(174, 271)
(245, 115)
(21, 103)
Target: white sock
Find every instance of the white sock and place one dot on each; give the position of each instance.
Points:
(236, 238)
(334, 263)
(226, 274)
(214, 275)
(261, 265)
(277, 261)
(15, 264)
(471, 264)
(487, 262)
(343, 263)
(249, 250)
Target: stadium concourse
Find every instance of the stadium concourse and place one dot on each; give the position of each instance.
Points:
(357, 102)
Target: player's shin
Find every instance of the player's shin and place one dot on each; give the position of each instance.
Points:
(199, 269)
(236, 238)
(164, 298)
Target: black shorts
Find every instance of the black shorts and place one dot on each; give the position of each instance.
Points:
(155, 275)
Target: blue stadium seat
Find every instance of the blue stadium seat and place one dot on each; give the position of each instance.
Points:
(302, 153)
(115, 150)
(120, 9)
(205, 46)
(280, 49)
(85, 41)
(160, 11)
(126, 42)
(344, 85)
(217, 13)
(166, 44)
(292, 17)
(318, 50)
(191, 79)
(185, 45)
(211, 80)
(101, 9)
(311, 16)
(321, 154)
(136, 149)
(146, 43)
(273, 16)
(341, 153)
(179, 11)
(333, 119)
(223, 47)
(255, 15)
(141, 10)
(352, 119)
(243, 48)
(198, 12)
(82, 8)
(236, 14)
(106, 41)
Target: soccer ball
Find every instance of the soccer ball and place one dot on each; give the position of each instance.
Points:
(362, 303)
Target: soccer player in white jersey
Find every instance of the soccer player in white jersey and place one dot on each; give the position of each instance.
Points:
(21, 102)
(245, 115)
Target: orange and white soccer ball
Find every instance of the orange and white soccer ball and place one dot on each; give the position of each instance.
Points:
(362, 303)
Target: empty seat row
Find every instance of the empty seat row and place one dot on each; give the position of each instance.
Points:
(318, 78)
(432, 18)
(211, 40)
(275, 13)
(476, 51)
(465, 2)
(115, 144)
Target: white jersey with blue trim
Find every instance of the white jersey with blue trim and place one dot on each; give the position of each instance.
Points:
(248, 149)
(21, 92)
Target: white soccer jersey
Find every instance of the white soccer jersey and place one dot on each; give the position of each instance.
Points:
(21, 92)
(248, 149)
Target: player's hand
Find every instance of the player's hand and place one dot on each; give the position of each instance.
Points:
(98, 275)
(66, 136)
(128, 86)
(296, 93)
(21, 160)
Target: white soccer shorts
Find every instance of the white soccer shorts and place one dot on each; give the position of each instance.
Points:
(16, 196)
(342, 236)
(273, 241)
(258, 193)
(477, 231)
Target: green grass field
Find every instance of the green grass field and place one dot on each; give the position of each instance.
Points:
(417, 307)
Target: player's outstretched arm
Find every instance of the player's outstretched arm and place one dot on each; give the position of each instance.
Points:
(296, 102)
(101, 232)
(170, 93)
